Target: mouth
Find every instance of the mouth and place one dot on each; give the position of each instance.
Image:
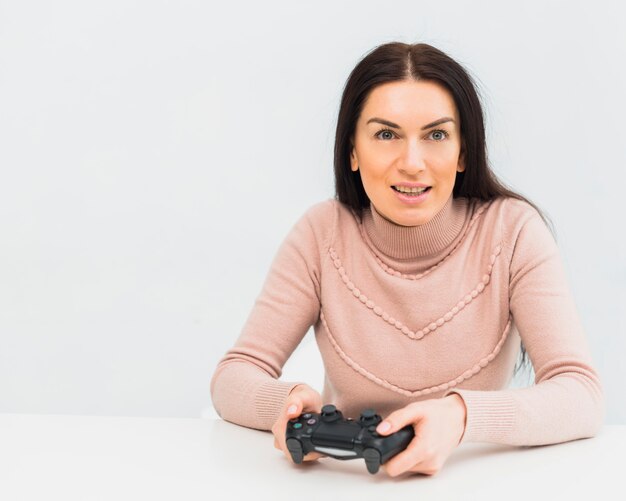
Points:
(412, 194)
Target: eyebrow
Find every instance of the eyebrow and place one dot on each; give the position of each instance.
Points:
(396, 126)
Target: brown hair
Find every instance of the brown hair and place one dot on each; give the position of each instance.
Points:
(396, 61)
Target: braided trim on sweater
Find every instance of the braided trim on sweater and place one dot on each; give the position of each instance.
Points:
(425, 391)
(446, 317)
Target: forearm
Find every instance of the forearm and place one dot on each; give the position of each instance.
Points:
(245, 395)
(557, 410)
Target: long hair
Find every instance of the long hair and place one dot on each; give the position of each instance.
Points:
(397, 61)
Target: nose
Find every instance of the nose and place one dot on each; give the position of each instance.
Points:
(413, 159)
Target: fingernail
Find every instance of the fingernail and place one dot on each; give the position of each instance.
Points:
(383, 427)
(292, 409)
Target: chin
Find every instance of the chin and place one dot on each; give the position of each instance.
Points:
(416, 223)
(408, 221)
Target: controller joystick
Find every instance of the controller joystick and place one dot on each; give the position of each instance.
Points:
(369, 417)
(330, 414)
(329, 433)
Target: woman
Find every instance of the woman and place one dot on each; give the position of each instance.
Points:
(422, 278)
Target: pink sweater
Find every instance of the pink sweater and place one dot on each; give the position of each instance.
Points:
(402, 314)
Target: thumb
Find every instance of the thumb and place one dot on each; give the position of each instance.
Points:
(399, 419)
(299, 402)
(294, 407)
(296, 404)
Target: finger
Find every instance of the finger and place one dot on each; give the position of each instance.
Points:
(293, 408)
(407, 460)
(420, 456)
(313, 456)
(421, 468)
(290, 410)
(397, 420)
(299, 403)
(278, 430)
(295, 405)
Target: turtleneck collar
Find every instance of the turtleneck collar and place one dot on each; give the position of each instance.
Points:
(406, 242)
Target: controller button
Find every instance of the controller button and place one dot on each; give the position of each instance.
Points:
(297, 426)
(307, 415)
(309, 431)
(311, 421)
(372, 460)
(372, 428)
(295, 449)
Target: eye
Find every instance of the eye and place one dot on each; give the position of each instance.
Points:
(383, 130)
(441, 131)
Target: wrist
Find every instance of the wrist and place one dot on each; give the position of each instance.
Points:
(298, 387)
(459, 404)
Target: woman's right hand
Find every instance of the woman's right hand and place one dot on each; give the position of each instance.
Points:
(302, 398)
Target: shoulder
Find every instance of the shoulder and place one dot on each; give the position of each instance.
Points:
(327, 220)
(518, 210)
(322, 211)
(514, 223)
(321, 217)
(509, 209)
(316, 223)
(329, 205)
(523, 228)
(511, 215)
(329, 212)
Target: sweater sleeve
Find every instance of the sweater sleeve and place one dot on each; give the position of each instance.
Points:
(567, 400)
(245, 387)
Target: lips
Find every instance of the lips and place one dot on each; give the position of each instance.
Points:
(413, 199)
(411, 185)
(395, 189)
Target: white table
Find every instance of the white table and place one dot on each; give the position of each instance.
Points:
(45, 457)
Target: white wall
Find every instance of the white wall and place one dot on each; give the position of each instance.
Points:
(153, 155)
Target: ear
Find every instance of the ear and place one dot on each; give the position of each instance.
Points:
(354, 161)
(461, 164)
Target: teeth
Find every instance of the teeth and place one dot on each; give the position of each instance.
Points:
(409, 190)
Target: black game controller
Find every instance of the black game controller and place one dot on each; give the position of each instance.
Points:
(331, 434)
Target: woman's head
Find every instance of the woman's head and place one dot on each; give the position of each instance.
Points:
(413, 83)
(408, 132)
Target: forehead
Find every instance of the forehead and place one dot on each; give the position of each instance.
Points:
(409, 101)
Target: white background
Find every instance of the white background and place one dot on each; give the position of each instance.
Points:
(154, 154)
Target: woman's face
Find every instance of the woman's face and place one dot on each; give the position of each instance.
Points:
(396, 142)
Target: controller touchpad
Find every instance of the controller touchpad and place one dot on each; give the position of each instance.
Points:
(336, 434)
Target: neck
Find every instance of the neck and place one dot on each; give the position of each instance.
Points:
(406, 242)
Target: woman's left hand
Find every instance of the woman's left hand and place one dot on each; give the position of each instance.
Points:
(439, 424)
